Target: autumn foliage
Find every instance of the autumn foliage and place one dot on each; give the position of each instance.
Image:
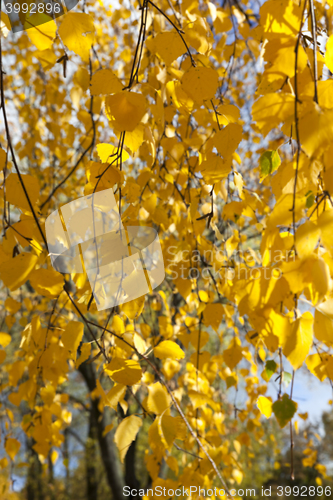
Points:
(213, 123)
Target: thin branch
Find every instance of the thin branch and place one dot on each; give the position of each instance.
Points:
(293, 209)
(3, 105)
(292, 444)
(180, 32)
(314, 36)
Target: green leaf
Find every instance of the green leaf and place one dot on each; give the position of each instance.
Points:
(286, 377)
(269, 370)
(284, 410)
(310, 200)
(269, 162)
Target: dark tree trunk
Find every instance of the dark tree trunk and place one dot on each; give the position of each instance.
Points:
(109, 457)
(91, 473)
(66, 457)
(52, 492)
(130, 476)
(34, 487)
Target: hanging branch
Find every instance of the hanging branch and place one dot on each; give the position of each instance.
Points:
(179, 31)
(292, 444)
(314, 36)
(3, 106)
(293, 209)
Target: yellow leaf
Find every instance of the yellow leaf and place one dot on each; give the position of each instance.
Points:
(124, 371)
(200, 83)
(54, 456)
(107, 429)
(5, 339)
(43, 35)
(12, 305)
(14, 191)
(316, 366)
(47, 394)
(229, 114)
(126, 109)
(272, 109)
(237, 475)
(280, 18)
(105, 82)
(115, 395)
(134, 139)
(227, 140)
(108, 174)
(84, 355)
(72, 337)
(168, 349)
(198, 400)
(47, 282)
(299, 342)
(212, 315)
(325, 224)
(133, 308)
(169, 46)
(326, 308)
(329, 54)
(234, 354)
(12, 447)
(214, 168)
(14, 272)
(170, 428)
(5, 24)
(2, 355)
(108, 153)
(77, 31)
(173, 464)
(265, 406)
(139, 343)
(158, 399)
(82, 78)
(307, 237)
(3, 157)
(126, 433)
(313, 118)
(47, 58)
(232, 244)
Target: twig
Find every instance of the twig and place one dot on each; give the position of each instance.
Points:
(180, 32)
(314, 36)
(292, 444)
(296, 124)
(3, 105)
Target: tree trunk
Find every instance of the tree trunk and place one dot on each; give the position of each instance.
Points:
(34, 487)
(91, 473)
(107, 450)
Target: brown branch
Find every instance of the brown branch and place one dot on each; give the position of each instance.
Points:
(296, 123)
(180, 32)
(292, 444)
(314, 36)
(3, 105)
(69, 174)
(88, 325)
